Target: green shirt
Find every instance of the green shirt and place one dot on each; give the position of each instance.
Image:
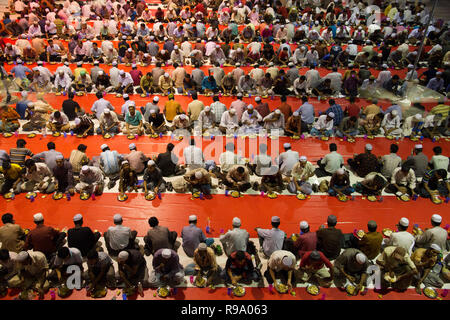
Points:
(133, 120)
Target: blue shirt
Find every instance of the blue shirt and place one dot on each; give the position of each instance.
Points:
(20, 71)
(338, 113)
(206, 84)
(436, 84)
(110, 162)
(21, 107)
(307, 112)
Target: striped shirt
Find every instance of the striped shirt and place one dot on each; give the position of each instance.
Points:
(18, 155)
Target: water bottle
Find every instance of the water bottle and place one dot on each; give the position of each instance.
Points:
(159, 195)
(191, 279)
(262, 194)
(32, 199)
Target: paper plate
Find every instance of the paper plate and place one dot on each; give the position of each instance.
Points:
(84, 196)
(196, 195)
(7, 134)
(57, 195)
(163, 291)
(372, 198)
(342, 198)
(143, 95)
(56, 134)
(155, 135)
(301, 196)
(31, 194)
(239, 291)
(235, 194)
(80, 94)
(131, 137)
(351, 290)
(324, 138)
(273, 137)
(150, 196)
(387, 232)
(99, 293)
(430, 292)
(58, 93)
(313, 289)
(122, 198)
(272, 195)
(31, 135)
(265, 96)
(370, 137)
(80, 136)
(281, 288)
(8, 195)
(107, 136)
(118, 95)
(390, 137)
(29, 62)
(351, 140)
(414, 139)
(436, 200)
(404, 197)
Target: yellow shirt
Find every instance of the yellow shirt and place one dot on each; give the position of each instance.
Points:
(171, 109)
(13, 172)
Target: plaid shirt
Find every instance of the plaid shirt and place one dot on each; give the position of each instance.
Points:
(338, 113)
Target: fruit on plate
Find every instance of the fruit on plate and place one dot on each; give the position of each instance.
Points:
(430, 292)
(163, 292)
(56, 134)
(150, 196)
(387, 232)
(31, 135)
(235, 194)
(301, 196)
(31, 194)
(84, 196)
(57, 195)
(272, 195)
(281, 288)
(351, 289)
(239, 291)
(143, 95)
(107, 136)
(80, 94)
(360, 233)
(8, 195)
(99, 293)
(342, 197)
(313, 289)
(122, 197)
(131, 137)
(7, 134)
(155, 135)
(200, 282)
(404, 197)
(390, 277)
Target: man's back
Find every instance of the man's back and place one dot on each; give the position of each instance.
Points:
(192, 236)
(159, 237)
(81, 238)
(43, 239)
(11, 237)
(329, 242)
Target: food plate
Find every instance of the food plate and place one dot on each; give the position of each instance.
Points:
(342, 198)
(351, 289)
(150, 196)
(281, 288)
(246, 95)
(295, 137)
(155, 135)
(265, 96)
(397, 68)
(56, 134)
(360, 234)
(7, 134)
(390, 137)
(122, 197)
(8, 195)
(313, 289)
(131, 137)
(196, 195)
(206, 134)
(370, 137)
(272, 195)
(390, 278)
(414, 139)
(31, 194)
(239, 291)
(63, 291)
(80, 136)
(163, 292)
(324, 138)
(430, 292)
(273, 137)
(229, 135)
(100, 293)
(235, 194)
(143, 95)
(127, 64)
(57, 195)
(200, 282)
(107, 136)
(253, 136)
(118, 95)
(29, 62)
(351, 140)
(436, 199)
(404, 197)
(84, 196)
(80, 94)
(179, 138)
(58, 93)
(301, 196)
(372, 198)
(387, 232)
(31, 135)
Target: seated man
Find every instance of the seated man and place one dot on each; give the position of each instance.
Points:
(323, 125)
(100, 273)
(238, 178)
(425, 261)
(294, 125)
(206, 120)
(272, 182)
(364, 163)
(37, 178)
(397, 268)
(133, 122)
(281, 268)
(167, 270)
(168, 162)
(91, 181)
(12, 236)
(306, 240)
(315, 267)
(434, 183)
(32, 271)
(153, 179)
(351, 265)
(330, 163)
(192, 236)
(119, 237)
(64, 176)
(275, 121)
(323, 89)
(271, 239)
(108, 123)
(303, 177)
(65, 258)
(370, 243)
(8, 269)
(199, 180)
(159, 237)
(83, 83)
(390, 126)
(340, 183)
(125, 83)
(403, 180)
(127, 178)
(229, 122)
(9, 119)
(156, 123)
(372, 185)
(83, 125)
(371, 125)
(133, 270)
(348, 128)
(58, 122)
(432, 126)
(239, 268)
(205, 265)
(81, 237)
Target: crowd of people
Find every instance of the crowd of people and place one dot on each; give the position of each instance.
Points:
(44, 257)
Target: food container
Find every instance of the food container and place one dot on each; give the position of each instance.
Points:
(84, 196)
(163, 291)
(313, 289)
(31, 194)
(301, 196)
(430, 292)
(239, 291)
(123, 197)
(57, 195)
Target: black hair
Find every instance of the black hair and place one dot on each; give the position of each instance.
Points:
(93, 254)
(240, 255)
(4, 254)
(51, 145)
(29, 163)
(82, 147)
(7, 218)
(170, 146)
(240, 169)
(99, 94)
(394, 148)
(20, 143)
(437, 150)
(333, 147)
(153, 222)
(283, 98)
(275, 224)
(63, 253)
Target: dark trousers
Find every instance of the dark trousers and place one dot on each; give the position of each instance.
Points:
(282, 275)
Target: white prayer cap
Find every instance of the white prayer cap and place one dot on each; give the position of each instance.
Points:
(239, 49)
(166, 253)
(359, 28)
(96, 62)
(151, 163)
(232, 111)
(287, 261)
(439, 73)
(22, 256)
(114, 63)
(183, 117)
(84, 168)
(132, 104)
(207, 108)
(66, 63)
(275, 219)
(124, 37)
(340, 171)
(238, 65)
(198, 174)
(202, 246)
(418, 146)
(30, 104)
(146, 54)
(303, 158)
(410, 66)
(296, 114)
(123, 255)
(121, 72)
(59, 157)
(287, 145)
(278, 111)
(217, 46)
(175, 47)
(436, 247)
(404, 222)
(418, 116)
(369, 147)
(107, 111)
(77, 217)
(436, 218)
(331, 115)
(394, 112)
(77, 121)
(124, 162)
(361, 258)
(103, 146)
(250, 106)
(132, 146)
(38, 217)
(290, 64)
(257, 99)
(385, 66)
(152, 111)
(192, 218)
(155, 99)
(166, 75)
(304, 225)
(236, 222)
(117, 217)
(19, 61)
(152, 38)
